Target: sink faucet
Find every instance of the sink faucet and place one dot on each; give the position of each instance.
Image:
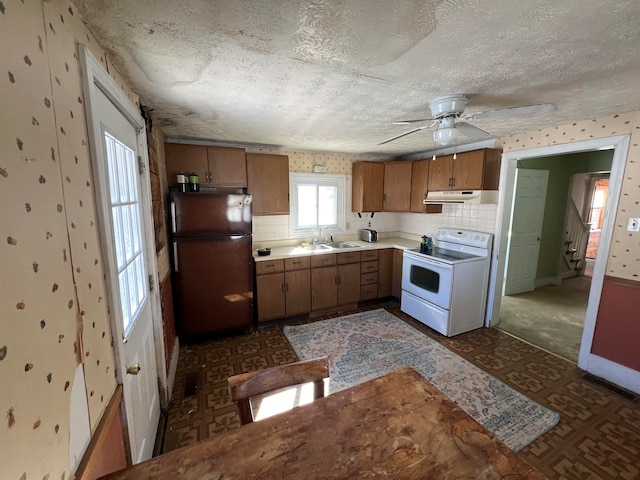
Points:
(331, 237)
(320, 233)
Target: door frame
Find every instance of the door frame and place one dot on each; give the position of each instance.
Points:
(620, 144)
(94, 74)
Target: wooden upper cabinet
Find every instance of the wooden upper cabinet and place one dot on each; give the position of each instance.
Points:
(475, 170)
(186, 159)
(367, 187)
(441, 173)
(419, 187)
(397, 186)
(419, 184)
(216, 166)
(268, 183)
(227, 166)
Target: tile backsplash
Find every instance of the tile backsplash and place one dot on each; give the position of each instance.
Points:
(469, 217)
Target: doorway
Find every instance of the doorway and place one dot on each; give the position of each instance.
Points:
(596, 203)
(549, 310)
(120, 170)
(620, 146)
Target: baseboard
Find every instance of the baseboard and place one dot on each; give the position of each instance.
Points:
(613, 372)
(543, 282)
(173, 368)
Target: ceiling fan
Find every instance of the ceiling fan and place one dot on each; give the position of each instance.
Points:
(447, 109)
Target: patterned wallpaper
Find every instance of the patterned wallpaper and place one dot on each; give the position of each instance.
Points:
(54, 302)
(624, 257)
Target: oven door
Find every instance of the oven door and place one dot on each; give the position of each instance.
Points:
(427, 279)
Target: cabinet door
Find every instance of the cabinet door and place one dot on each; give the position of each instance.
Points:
(348, 283)
(181, 158)
(298, 291)
(419, 184)
(385, 272)
(397, 186)
(268, 182)
(324, 290)
(396, 287)
(270, 289)
(440, 173)
(467, 170)
(227, 167)
(367, 186)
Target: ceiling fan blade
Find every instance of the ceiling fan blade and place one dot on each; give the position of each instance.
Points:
(407, 122)
(470, 131)
(508, 112)
(405, 134)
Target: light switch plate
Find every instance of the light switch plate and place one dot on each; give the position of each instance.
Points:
(633, 225)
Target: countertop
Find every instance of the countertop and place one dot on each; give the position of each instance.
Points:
(299, 251)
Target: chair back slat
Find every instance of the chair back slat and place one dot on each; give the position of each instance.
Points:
(247, 385)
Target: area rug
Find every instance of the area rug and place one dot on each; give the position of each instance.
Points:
(370, 344)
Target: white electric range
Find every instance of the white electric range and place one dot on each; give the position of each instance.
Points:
(446, 289)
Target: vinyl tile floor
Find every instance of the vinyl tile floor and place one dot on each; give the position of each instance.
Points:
(597, 437)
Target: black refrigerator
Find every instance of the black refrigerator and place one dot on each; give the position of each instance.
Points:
(212, 261)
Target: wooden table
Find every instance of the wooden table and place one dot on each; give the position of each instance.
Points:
(398, 426)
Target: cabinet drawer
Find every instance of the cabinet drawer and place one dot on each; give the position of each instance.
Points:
(348, 257)
(269, 266)
(368, 292)
(369, 278)
(369, 255)
(323, 260)
(298, 263)
(367, 267)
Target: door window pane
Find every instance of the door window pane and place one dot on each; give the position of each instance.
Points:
(125, 213)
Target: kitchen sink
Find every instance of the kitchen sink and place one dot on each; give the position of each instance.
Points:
(318, 247)
(342, 245)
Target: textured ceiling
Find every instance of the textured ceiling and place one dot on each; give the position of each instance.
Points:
(332, 76)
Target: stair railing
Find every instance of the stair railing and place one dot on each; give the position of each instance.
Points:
(576, 238)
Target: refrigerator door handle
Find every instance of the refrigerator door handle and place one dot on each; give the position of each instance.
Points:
(175, 256)
(173, 217)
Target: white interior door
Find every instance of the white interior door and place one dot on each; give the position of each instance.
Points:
(526, 230)
(122, 199)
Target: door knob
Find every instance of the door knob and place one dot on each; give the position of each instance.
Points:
(133, 369)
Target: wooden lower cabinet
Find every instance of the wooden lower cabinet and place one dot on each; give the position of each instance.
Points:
(396, 287)
(297, 287)
(385, 272)
(283, 293)
(324, 287)
(301, 285)
(348, 283)
(271, 299)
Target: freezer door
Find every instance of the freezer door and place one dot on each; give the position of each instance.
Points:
(214, 289)
(210, 214)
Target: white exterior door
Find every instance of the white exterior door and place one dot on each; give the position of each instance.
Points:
(123, 200)
(525, 231)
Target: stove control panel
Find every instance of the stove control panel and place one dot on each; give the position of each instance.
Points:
(464, 237)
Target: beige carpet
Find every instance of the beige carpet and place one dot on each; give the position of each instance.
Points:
(550, 317)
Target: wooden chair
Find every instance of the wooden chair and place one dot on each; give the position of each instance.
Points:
(247, 385)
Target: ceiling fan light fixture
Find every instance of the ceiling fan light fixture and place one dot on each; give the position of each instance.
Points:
(446, 135)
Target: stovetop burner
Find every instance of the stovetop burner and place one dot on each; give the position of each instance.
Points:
(449, 256)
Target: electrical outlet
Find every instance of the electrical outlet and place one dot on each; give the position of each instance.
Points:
(369, 224)
(633, 225)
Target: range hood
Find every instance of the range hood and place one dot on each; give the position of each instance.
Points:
(473, 197)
